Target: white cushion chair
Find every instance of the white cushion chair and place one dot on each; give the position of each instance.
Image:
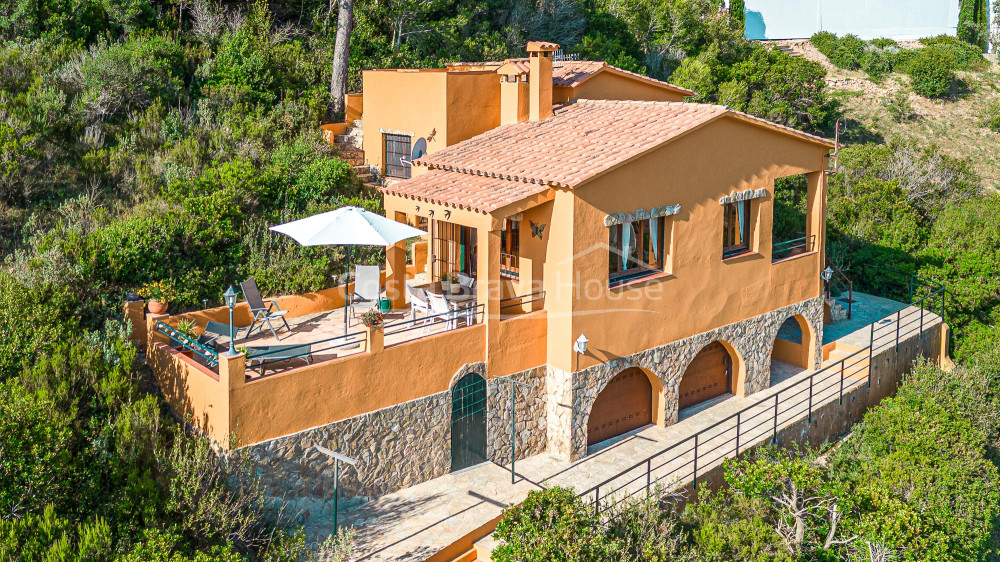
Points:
(440, 311)
(466, 281)
(418, 302)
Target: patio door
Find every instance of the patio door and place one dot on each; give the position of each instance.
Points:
(468, 422)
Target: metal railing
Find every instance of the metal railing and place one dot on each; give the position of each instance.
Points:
(261, 353)
(508, 266)
(789, 248)
(472, 314)
(209, 354)
(693, 456)
(521, 300)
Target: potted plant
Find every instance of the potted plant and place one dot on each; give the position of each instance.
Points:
(446, 282)
(373, 319)
(158, 296)
(455, 287)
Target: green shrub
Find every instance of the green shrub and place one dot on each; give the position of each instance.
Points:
(930, 72)
(899, 107)
(825, 42)
(552, 524)
(848, 53)
(876, 63)
(737, 15)
(962, 55)
(884, 43)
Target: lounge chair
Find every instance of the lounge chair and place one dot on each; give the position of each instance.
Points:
(367, 288)
(262, 313)
(268, 353)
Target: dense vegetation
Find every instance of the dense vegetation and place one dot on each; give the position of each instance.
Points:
(150, 143)
(888, 492)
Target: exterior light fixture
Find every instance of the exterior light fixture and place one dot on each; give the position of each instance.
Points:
(230, 297)
(580, 345)
(827, 274)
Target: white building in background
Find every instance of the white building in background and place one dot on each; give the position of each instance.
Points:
(868, 19)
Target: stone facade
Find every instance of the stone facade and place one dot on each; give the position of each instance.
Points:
(530, 431)
(752, 340)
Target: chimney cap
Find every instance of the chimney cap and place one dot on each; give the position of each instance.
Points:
(542, 47)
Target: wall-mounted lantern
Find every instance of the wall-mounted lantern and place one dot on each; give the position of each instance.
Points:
(580, 345)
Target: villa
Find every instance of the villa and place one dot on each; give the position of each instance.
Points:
(620, 260)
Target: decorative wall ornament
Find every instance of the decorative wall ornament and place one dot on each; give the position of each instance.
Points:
(614, 219)
(745, 195)
(537, 229)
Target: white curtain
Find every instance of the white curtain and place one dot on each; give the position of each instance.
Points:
(740, 212)
(654, 232)
(626, 243)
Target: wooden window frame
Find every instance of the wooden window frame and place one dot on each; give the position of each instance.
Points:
(731, 247)
(394, 167)
(616, 271)
(510, 249)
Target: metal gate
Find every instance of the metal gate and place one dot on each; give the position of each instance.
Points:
(468, 422)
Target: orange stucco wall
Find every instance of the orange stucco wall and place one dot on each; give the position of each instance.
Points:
(610, 86)
(193, 392)
(702, 291)
(326, 392)
(353, 107)
(441, 107)
(519, 345)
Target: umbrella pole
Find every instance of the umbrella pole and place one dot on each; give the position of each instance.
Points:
(347, 285)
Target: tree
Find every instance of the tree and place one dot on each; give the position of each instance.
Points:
(341, 56)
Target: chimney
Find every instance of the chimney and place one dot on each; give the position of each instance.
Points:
(540, 79)
(513, 92)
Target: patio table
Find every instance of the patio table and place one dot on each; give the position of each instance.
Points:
(465, 298)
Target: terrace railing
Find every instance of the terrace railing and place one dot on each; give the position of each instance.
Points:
(508, 266)
(186, 342)
(264, 357)
(514, 302)
(693, 456)
(789, 248)
(470, 314)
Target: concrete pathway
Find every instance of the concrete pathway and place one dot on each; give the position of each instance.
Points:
(414, 523)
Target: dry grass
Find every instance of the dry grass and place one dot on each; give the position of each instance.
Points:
(952, 124)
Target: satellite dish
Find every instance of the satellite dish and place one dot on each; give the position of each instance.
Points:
(419, 149)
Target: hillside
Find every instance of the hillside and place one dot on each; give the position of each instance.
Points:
(952, 123)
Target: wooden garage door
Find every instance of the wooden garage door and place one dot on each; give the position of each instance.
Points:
(708, 376)
(626, 403)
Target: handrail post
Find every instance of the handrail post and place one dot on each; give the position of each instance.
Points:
(871, 353)
(738, 433)
(774, 437)
(811, 397)
(898, 314)
(597, 500)
(842, 381)
(649, 464)
(694, 481)
(921, 321)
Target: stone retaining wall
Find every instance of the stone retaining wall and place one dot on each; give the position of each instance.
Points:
(530, 418)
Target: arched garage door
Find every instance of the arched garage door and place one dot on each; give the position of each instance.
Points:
(709, 375)
(626, 403)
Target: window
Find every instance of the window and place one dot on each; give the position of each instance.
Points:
(736, 228)
(454, 249)
(397, 156)
(636, 249)
(510, 245)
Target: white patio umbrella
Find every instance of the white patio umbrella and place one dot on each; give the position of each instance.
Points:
(347, 226)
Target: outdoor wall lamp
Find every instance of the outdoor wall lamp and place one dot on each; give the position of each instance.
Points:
(827, 274)
(230, 297)
(580, 345)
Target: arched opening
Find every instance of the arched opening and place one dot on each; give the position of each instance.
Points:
(793, 349)
(711, 374)
(468, 422)
(627, 402)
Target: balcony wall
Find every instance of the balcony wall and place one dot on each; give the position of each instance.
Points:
(520, 344)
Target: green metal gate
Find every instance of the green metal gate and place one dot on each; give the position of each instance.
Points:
(468, 422)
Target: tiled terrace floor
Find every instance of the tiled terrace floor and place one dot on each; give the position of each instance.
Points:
(414, 523)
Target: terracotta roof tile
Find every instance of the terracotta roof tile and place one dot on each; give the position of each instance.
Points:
(542, 46)
(464, 191)
(567, 73)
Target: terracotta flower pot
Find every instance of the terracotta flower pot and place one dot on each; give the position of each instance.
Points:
(157, 307)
